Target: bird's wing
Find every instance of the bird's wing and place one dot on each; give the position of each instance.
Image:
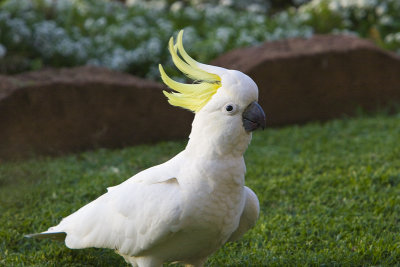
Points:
(158, 173)
(130, 217)
(249, 215)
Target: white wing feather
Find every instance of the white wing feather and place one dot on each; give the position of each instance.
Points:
(131, 217)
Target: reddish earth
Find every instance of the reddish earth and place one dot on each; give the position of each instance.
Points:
(68, 110)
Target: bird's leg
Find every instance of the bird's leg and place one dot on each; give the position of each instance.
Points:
(146, 262)
(199, 263)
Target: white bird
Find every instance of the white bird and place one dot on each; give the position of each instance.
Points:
(188, 207)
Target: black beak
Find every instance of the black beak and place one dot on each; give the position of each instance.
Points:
(253, 117)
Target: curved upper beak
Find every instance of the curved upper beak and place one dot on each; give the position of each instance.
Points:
(253, 117)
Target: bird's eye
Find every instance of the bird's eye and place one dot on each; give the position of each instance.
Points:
(230, 108)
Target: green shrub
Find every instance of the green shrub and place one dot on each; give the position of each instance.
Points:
(133, 39)
(65, 33)
(378, 20)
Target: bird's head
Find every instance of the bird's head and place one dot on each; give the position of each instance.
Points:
(224, 101)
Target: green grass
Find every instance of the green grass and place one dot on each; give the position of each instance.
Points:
(329, 194)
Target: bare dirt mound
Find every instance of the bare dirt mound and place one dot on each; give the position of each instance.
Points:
(68, 110)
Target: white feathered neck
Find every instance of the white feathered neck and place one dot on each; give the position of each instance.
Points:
(216, 134)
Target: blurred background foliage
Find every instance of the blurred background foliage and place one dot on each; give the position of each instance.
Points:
(132, 35)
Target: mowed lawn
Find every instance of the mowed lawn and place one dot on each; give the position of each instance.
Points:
(329, 195)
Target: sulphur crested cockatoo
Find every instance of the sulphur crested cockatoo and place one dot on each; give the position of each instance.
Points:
(188, 207)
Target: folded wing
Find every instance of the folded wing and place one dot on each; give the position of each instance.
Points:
(131, 217)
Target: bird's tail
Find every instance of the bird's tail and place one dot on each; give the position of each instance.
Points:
(59, 236)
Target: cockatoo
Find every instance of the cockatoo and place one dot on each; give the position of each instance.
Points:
(188, 207)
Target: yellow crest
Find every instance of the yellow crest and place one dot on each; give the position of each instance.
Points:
(190, 96)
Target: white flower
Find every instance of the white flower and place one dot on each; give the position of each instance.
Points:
(88, 24)
(3, 50)
(245, 39)
(176, 6)
(224, 33)
(191, 35)
(226, 3)
(381, 9)
(191, 13)
(133, 2)
(389, 38)
(19, 30)
(61, 5)
(153, 48)
(165, 25)
(114, 170)
(255, 8)
(397, 37)
(101, 22)
(47, 36)
(334, 6)
(303, 16)
(386, 20)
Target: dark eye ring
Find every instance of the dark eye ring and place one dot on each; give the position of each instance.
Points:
(230, 109)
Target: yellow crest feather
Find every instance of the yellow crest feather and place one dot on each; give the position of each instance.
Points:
(190, 96)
